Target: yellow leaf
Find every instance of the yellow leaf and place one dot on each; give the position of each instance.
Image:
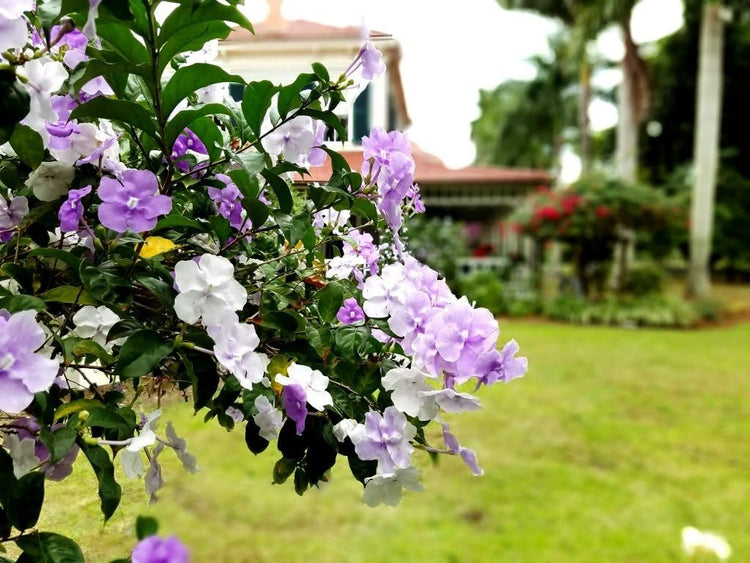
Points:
(156, 245)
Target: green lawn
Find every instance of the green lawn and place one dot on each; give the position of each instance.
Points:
(614, 441)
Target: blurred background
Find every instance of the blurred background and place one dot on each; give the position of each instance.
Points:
(585, 168)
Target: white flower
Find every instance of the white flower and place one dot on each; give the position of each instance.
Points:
(14, 32)
(386, 487)
(94, 323)
(312, 381)
(408, 389)
(132, 463)
(268, 419)
(235, 345)
(23, 454)
(147, 436)
(82, 142)
(44, 76)
(384, 292)
(207, 289)
(71, 239)
(337, 220)
(695, 541)
(341, 267)
(207, 53)
(344, 428)
(294, 139)
(452, 401)
(51, 180)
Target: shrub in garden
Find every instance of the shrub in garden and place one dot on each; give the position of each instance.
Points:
(594, 214)
(152, 242)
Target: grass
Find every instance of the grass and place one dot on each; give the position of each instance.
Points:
(614, 441)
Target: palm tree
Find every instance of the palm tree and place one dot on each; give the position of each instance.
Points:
(706, 147)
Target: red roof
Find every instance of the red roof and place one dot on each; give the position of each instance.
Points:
(300, 30)
(431, 170)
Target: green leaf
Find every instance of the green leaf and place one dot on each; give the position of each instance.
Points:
(221, 227)
(189, 13)
(300, 481)
(69, 294)
(293, 228)
(192, 37)
(46, 547)
(254, 441)
(76, 406)
(365, 208)
(58, 442)
(121, 111)
(257, 211)
(146, 526)
(71, 260)
(16, 303)
(289, 95)
(103, 282)
(7, 478)
(319, 339)
(28, 145)
(141, 353)
(25, 499)
(110, 491)
(330, 299)
(163, 291)
(338, 162)
(255, 103)
(281, 189)
(283, 469)
(188, 79)
(209, 133)
(280, 320)
(118, 37)
(14, 104)
(321, 71)
(183, 119)
(106, 418)
(91, 348)
(349, 339)
(252, 161)
(177, 220)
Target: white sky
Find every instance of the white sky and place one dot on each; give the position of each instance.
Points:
(453, 49)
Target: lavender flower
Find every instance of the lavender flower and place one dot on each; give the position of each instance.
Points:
(22, 371)
(311, 380)
(134, 203)
(385, 438)
(372, 61)
(71, 210)
(11, 215)
(235, 349)
(14, 32)
(227, 202)
(494, 366)
(187, 143)
(295, 405)
(154, 549)
(350, 312)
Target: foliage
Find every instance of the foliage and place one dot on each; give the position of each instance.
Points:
(486, 289)
(651, 311)
(437, 242)
(644, 279)
(157, 240)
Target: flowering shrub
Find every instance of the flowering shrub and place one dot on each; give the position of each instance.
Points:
(154, 241)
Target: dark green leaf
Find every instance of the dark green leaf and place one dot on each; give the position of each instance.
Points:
(103, 282)
(289, 95)
(280, 320)
(7, 478)
(188, 79)
(283, 469)
(290, 444)
(300, 481)
(221, 228)
(121, 111)
(5, 530)
(338, 162)
(118, 37)
(14, 104)
(177, 220)
(71, 260)
(16, 303)
(91, 348)
(255, 103)
(141, 353)
(320, 339)
(257, 211)
(46, 547)
(25, 499)
(146, 526)
(365, 208)
(76, 406)
(362, 469)
(251, 161)
(329, 118)
(281, 189)
(110, 491)
(106, 418)
(321, 71)
(255, 442)
(330, 299)
(349, 339)
(209, 133)
(28, 145)
(58, 442)
(163, 291)
(192, 37)
(69, 294)
(191, 12)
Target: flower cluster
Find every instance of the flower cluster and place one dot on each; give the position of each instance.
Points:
(157, 237)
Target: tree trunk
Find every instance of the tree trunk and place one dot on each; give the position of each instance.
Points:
(583, 113)
(706, 148)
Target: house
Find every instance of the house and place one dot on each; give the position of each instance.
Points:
(280, 49)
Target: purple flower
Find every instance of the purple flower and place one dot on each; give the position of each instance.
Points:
(350, 312)
(295, 405)
(11, 215)
(93, 89)
(385, 438)
(22, 371)
(227, 202)
(469, 457)
(372, 61)
(186, 142)
(494, 366)
(71, 210)
(133, 204)
(75, 43)
(154, 549)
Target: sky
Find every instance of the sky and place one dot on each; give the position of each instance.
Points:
(451, 50)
